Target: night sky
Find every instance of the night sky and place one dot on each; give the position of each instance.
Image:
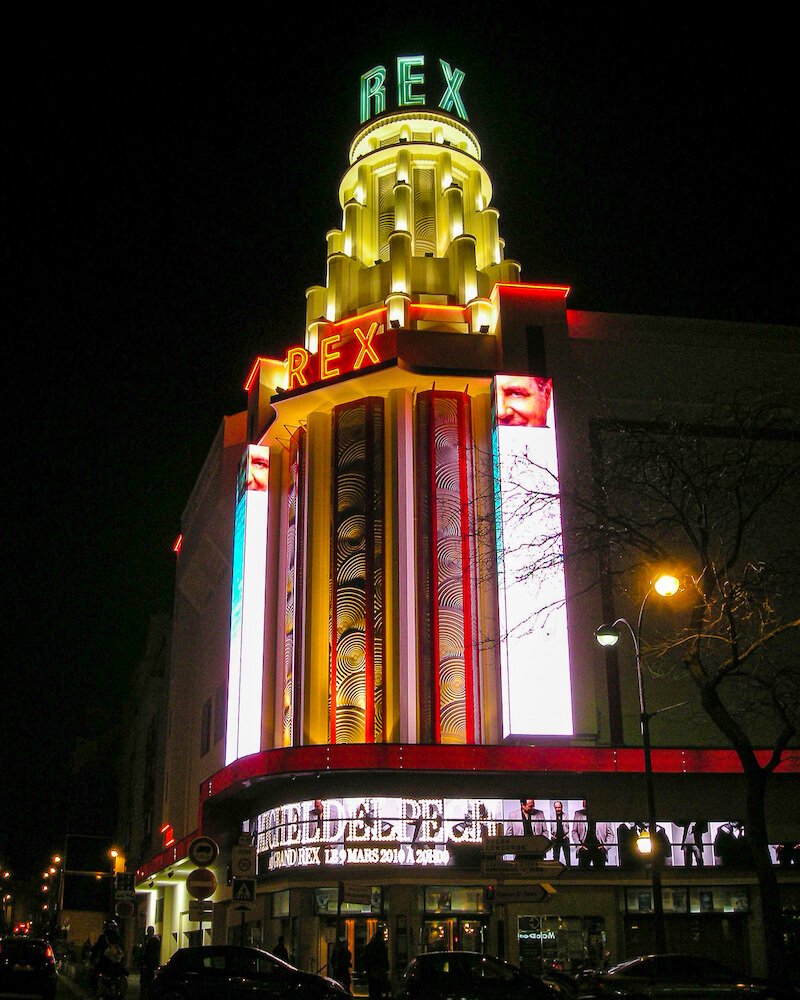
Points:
(170, 188)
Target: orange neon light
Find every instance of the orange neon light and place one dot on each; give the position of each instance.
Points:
(366, 350)
(176, 548)
(253, 372)
(359, 318)
(296, 361)
(327, 356)
(423, 309)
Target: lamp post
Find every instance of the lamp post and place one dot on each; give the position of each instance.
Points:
(608, 635)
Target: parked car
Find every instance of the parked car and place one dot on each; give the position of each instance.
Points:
(225, 972)
(27, 968)
(468, 975)
(677, 976)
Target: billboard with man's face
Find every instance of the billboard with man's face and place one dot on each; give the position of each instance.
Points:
(536, 685)
(246, 656)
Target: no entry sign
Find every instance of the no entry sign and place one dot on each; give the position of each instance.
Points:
(201, 883)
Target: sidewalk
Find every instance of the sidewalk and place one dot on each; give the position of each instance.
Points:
(75, 978)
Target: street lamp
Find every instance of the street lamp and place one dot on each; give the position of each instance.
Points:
(608, 635)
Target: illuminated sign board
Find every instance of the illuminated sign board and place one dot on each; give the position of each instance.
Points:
(410, 81)
(341, 350)
(536, 684)
(409, 832)
(386, 831)
(246, 656)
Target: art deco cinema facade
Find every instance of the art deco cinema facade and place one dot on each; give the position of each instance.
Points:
(377, 682)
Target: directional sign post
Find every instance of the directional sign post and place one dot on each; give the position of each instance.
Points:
(200, 910)
(537, 893)
(534, 845)
(243, 895)
(530, 868)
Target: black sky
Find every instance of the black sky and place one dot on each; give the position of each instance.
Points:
(169, 189)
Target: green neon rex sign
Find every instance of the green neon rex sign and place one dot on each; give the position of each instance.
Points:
(410, 81)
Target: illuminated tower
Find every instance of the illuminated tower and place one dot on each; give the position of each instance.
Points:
(382, 572)
(417, 228)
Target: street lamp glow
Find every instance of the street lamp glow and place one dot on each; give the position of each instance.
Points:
(667, 585)
(607, 635)
(664, 585)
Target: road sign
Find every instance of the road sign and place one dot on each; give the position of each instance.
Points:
(522, 867)
(536, 893)
(243, 894)
(201, 883)
(124, 886)
(203, 851)
(243, 862)
(124, 908)
(243, 890)
(201, 910)
(530, 844)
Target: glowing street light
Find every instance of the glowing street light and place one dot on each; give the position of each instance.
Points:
(665, 585)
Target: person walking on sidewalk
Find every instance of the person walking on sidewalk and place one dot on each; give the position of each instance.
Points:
(151, 959)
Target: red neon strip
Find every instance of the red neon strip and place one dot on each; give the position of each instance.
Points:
(466, 571)
(334, 624)
(436, 707)
(369, 567)
(539, 291)
(176, 548)
(461, 757)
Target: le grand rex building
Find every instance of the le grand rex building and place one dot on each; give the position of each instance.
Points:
(368, 689)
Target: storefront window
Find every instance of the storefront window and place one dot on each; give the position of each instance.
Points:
(454, 899)
(566, 943)
(697, 899)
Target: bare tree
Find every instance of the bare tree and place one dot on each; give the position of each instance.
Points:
(721, 498)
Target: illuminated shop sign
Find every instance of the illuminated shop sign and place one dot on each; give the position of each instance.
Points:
(385, 831)
(536, 685)
(409, 832)
(246, 651)
(410, 84)
(341, 349)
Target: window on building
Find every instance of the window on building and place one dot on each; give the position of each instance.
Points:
(219, 714)
(205, 729)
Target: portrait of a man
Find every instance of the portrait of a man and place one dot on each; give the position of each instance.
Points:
(526, 820)
(257, 469)
(523, 400)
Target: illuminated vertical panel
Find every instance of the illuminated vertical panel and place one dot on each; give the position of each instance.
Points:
(536, 684)
(357, 613)
(295, 561)
(449, 692)
(385, 194)
(424, 212)
(246, 656)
